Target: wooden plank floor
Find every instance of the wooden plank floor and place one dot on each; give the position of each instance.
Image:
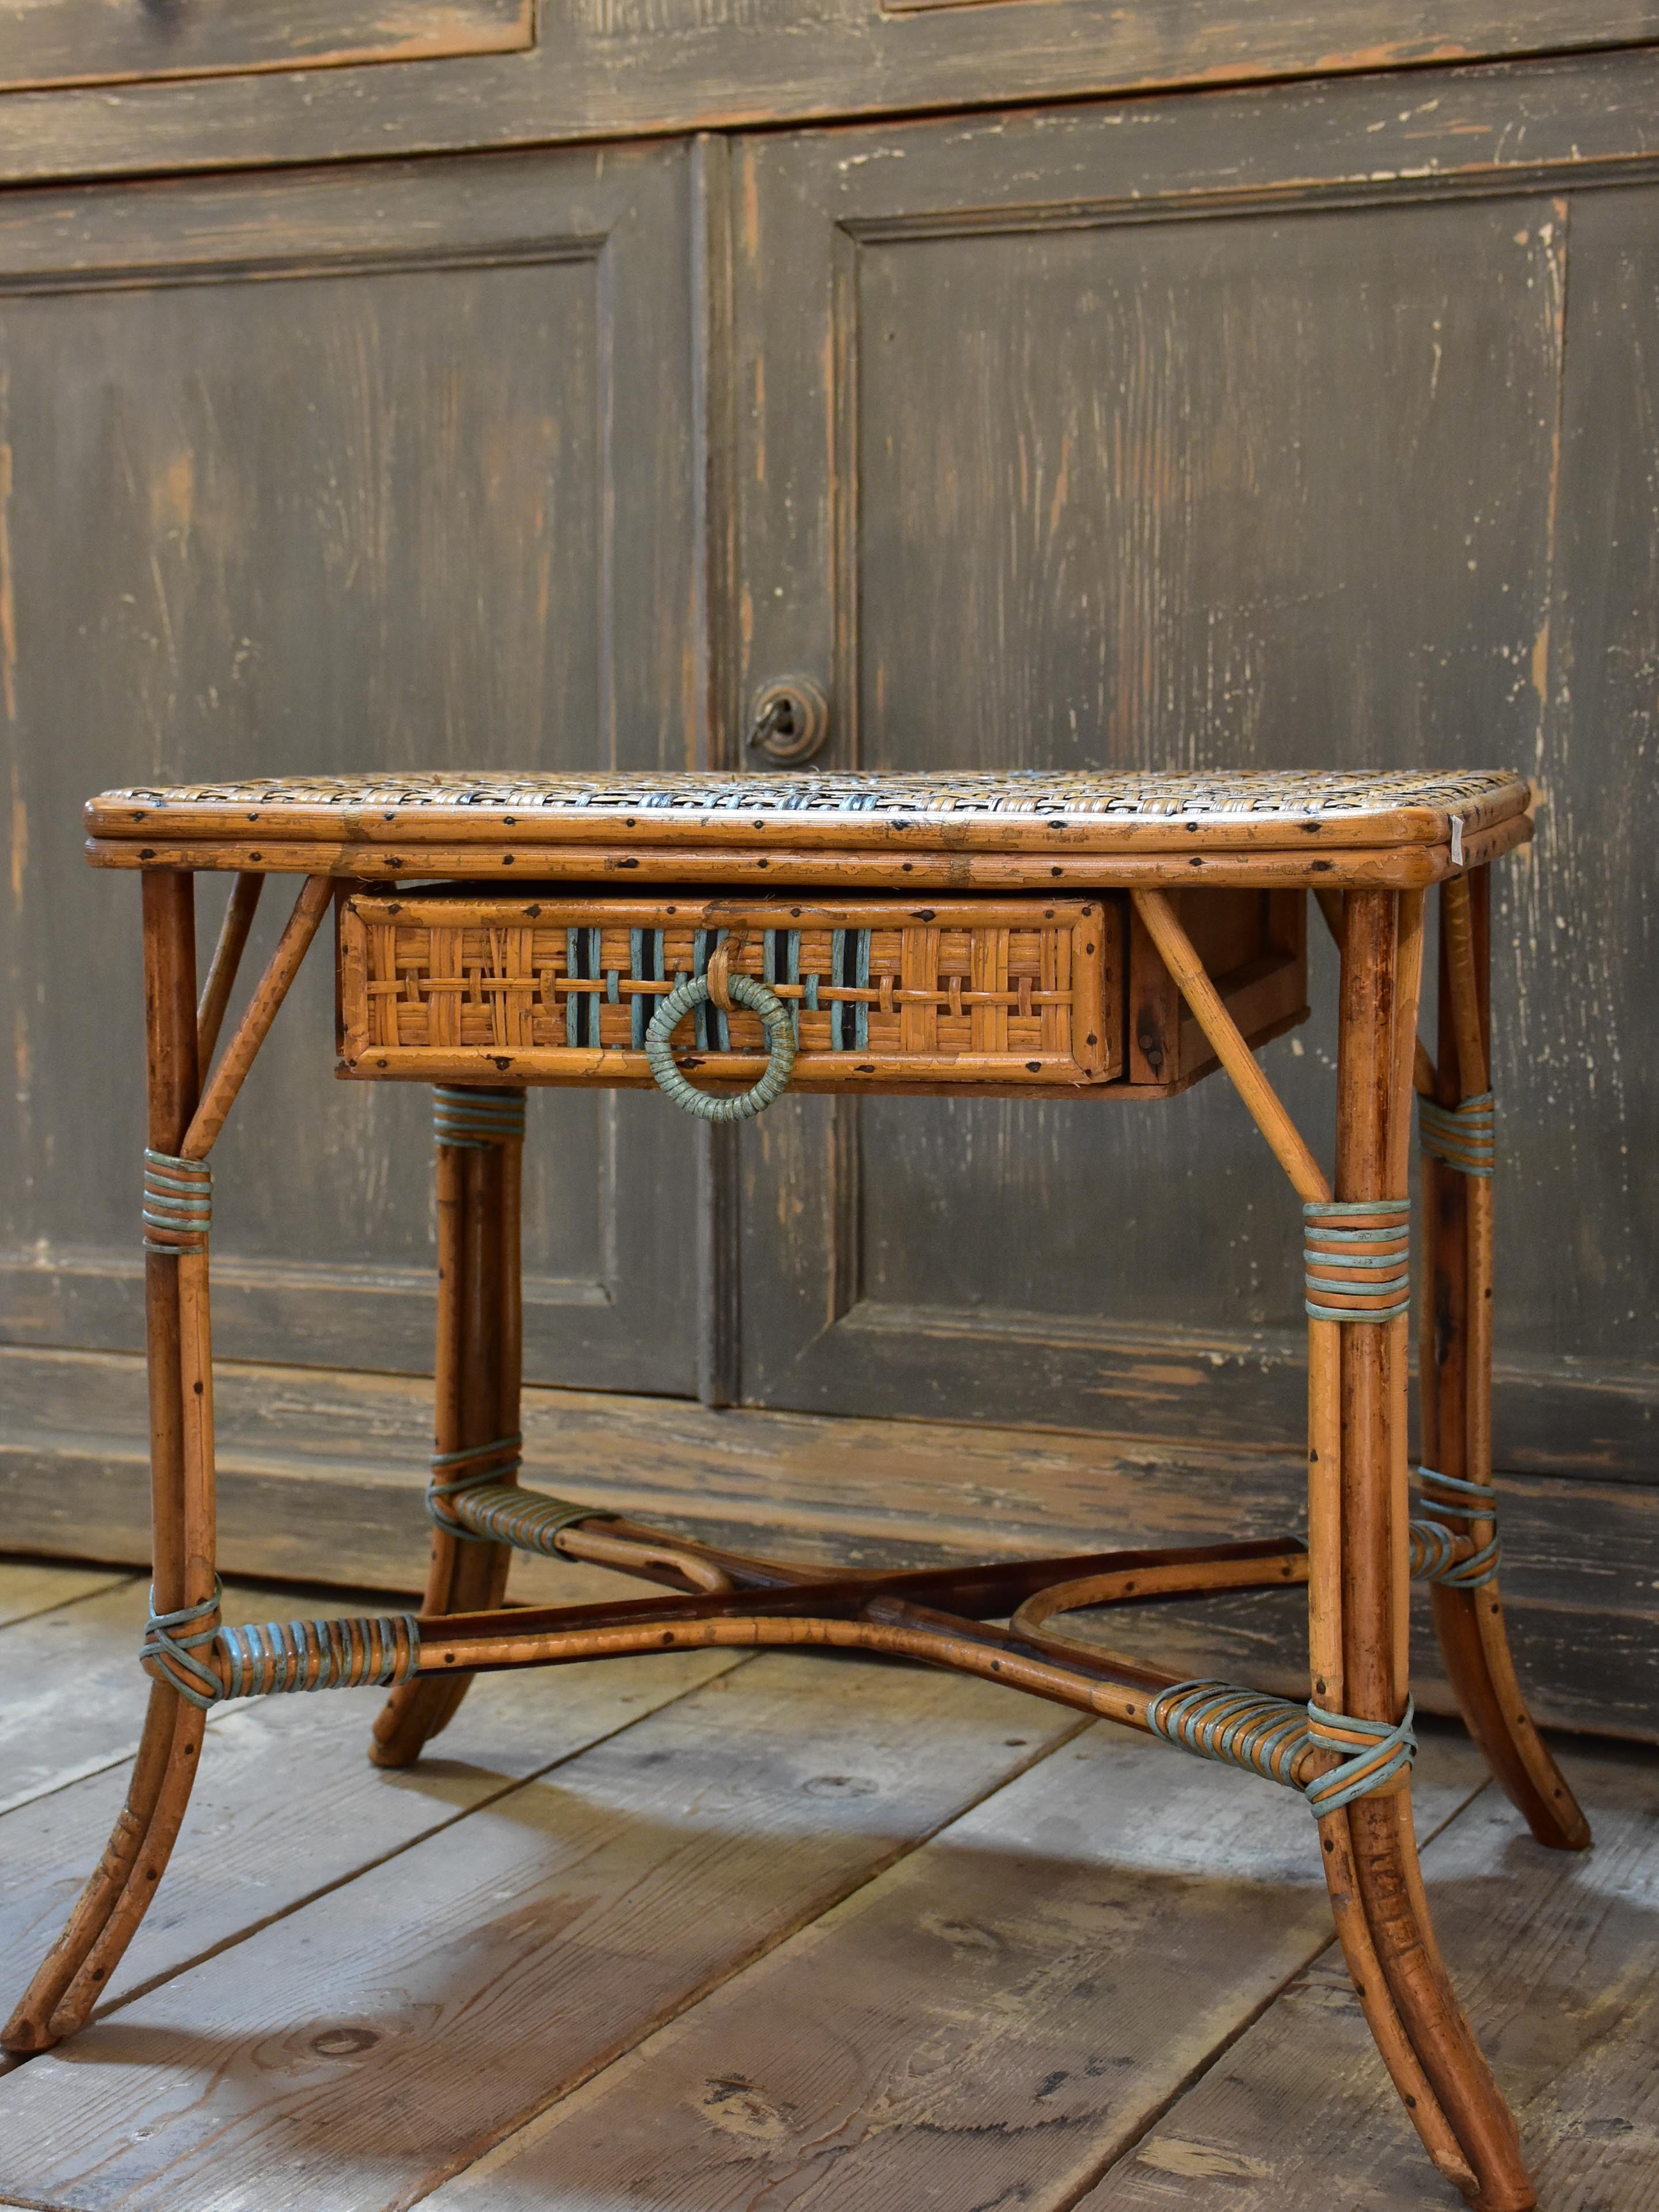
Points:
(743, 1933)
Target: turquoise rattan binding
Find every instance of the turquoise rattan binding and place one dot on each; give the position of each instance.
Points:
(1266, 1735)
(167, 1656)
(472, 1496)
(780, 1038)
(177, 1203)
(1357, 1250)
(1462, 1137)
(1372, 1753)
(1238, 1727)
(258, 1661)
(1451, 1497)
(471, 1118)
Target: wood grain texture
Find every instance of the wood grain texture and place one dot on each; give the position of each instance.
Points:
(235, 1866)
(52, 43)
(616, 70)
(561, 1927)
(1555, 1952)
(991, 2020)
(1008, 2007)
(1130, 403)
(268, 490)
(28, 1587)
(1593, 1050)
(1581, 1563)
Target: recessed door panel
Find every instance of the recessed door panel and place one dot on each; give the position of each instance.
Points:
(1098, 439)
(335, 474)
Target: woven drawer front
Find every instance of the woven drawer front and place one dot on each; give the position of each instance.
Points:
(562, 989)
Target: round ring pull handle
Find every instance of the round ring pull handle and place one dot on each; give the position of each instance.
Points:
(749, 992)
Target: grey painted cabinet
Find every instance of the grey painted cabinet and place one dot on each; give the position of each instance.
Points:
(1307, 422)
(374, 467)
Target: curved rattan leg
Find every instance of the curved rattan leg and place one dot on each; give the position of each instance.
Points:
(1388, 2031)
(480, 1336)
(108, 1911)
(1381, 950)
(1389, 1890)
(1474, 1646)
(34, 2025)
(92, 1977)
(1455, 1363)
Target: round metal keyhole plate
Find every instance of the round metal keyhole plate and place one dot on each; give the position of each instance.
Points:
(791, 720)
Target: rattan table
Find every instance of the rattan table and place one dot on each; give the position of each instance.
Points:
(723, 936)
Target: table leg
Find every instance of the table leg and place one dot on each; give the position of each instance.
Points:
(1455, 1366)
(479, 1351)
(77, 1969)
(1369, 1846)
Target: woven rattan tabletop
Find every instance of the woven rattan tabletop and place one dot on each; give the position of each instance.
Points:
(1007, 810)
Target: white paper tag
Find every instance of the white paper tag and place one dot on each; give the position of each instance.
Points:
(1457, 840)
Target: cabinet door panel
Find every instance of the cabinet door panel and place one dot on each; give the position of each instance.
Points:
(1035, 474)
(382, 470)
(48, 43)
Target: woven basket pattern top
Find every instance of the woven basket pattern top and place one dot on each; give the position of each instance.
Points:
(1301, 794)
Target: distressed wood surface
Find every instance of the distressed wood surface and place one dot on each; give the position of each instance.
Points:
(56, 43)
(1557, 1955)
(1134, 480)
(1594, 1052)
(1582, 1562)
(559, 1926)
(70, 1439)
(1045, 209)
(1493, 386)
(236, 1866)
(987, 2023)
(28, 1589)
(609, 71)
(993, 2009)
(266, 492)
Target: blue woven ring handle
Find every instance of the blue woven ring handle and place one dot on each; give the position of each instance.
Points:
(780, 1036)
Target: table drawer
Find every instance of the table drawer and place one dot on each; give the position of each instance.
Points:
(1015, 993)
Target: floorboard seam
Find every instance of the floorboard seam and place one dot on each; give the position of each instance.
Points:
(1211, 2059)
(127, 1576)
(116, 1758)
(398, 1851)
(694, 1997)
(124, 1757)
